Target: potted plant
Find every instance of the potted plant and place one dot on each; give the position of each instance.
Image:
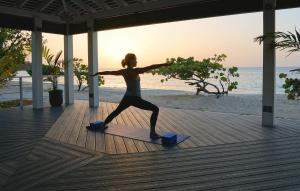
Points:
(52, 70)
(55, 66)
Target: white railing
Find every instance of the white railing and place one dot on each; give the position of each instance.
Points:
(17, 81)
(20, 85)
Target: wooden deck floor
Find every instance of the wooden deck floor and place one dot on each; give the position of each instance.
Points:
(205, 128)
(50, 149)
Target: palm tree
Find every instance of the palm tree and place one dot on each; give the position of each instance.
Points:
(284, 41)
(289, 42)
(295, 70)
(54, 65)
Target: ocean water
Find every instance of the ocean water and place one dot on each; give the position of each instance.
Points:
(250, 81)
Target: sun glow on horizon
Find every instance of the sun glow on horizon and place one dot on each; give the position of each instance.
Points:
(200, 38)
(117, 47)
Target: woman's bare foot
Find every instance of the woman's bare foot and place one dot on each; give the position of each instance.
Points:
(154, 135)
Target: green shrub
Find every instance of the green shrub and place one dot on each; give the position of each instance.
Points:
(198, 73)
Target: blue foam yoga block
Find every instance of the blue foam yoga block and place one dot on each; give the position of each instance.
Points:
(97, 124)
(169, 138)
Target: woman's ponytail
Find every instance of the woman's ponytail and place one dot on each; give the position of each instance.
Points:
(123, 63)
(127, 59)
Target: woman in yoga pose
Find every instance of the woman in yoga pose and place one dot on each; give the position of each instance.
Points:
(132, 95)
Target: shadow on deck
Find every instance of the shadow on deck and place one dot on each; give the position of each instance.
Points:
(205, 128)
(51, 149)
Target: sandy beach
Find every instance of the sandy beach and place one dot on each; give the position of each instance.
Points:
(245, 104)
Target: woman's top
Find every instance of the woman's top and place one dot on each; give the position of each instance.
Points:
(133, 84)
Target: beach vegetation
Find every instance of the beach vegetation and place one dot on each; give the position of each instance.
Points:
(207, 75)
(14, 103)
(13, 52)
(291, 86)
(289, 42)
(81, 74)
(54, 68)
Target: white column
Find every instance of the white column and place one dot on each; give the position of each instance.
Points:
(37, 79)
(93, 65)
(269, 63)
(68, 75)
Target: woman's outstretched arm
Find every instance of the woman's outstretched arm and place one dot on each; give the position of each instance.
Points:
(117, 72)
(151, 67)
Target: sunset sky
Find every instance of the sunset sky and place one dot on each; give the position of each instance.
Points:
(231, 35)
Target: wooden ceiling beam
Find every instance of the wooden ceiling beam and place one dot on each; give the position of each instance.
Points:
(102, 4)
(30, 14)
(21, 3)
(84, 6)
(122, 3)
(44, 5)
(132, 9)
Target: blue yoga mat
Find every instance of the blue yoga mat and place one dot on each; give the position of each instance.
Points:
(137, 133)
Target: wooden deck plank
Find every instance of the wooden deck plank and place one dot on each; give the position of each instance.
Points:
(288, 124)
(81, 140)
(109, 139)
(132, 116)
(130, 120)
(253, 122)
(216, 131)
(77, 126)
(179, 127)
(221, 128)
(162, 125)
(231, 130)
(91, 135)
(71, 122)
(56, 126)
(198, 131)
(258, 159)
(248, 127)
(100, 137)
(205, 128)
(274, 132)
(198, 127)
(143, 122)
(227, 167)
(119, 141)
(129, 143)
(59, 124)
(239, 128)
(62, 126)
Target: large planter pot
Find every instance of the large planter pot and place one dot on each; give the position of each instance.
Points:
(56, 97)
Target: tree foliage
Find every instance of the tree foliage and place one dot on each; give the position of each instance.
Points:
(54, 67)
(82, 75)
(291, 86)
(13, 52)
(289, 42)
(208, 75)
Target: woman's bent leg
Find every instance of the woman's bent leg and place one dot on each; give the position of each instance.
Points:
(121, 107)
(143, 104)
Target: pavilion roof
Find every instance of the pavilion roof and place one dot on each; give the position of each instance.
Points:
(111, 14)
